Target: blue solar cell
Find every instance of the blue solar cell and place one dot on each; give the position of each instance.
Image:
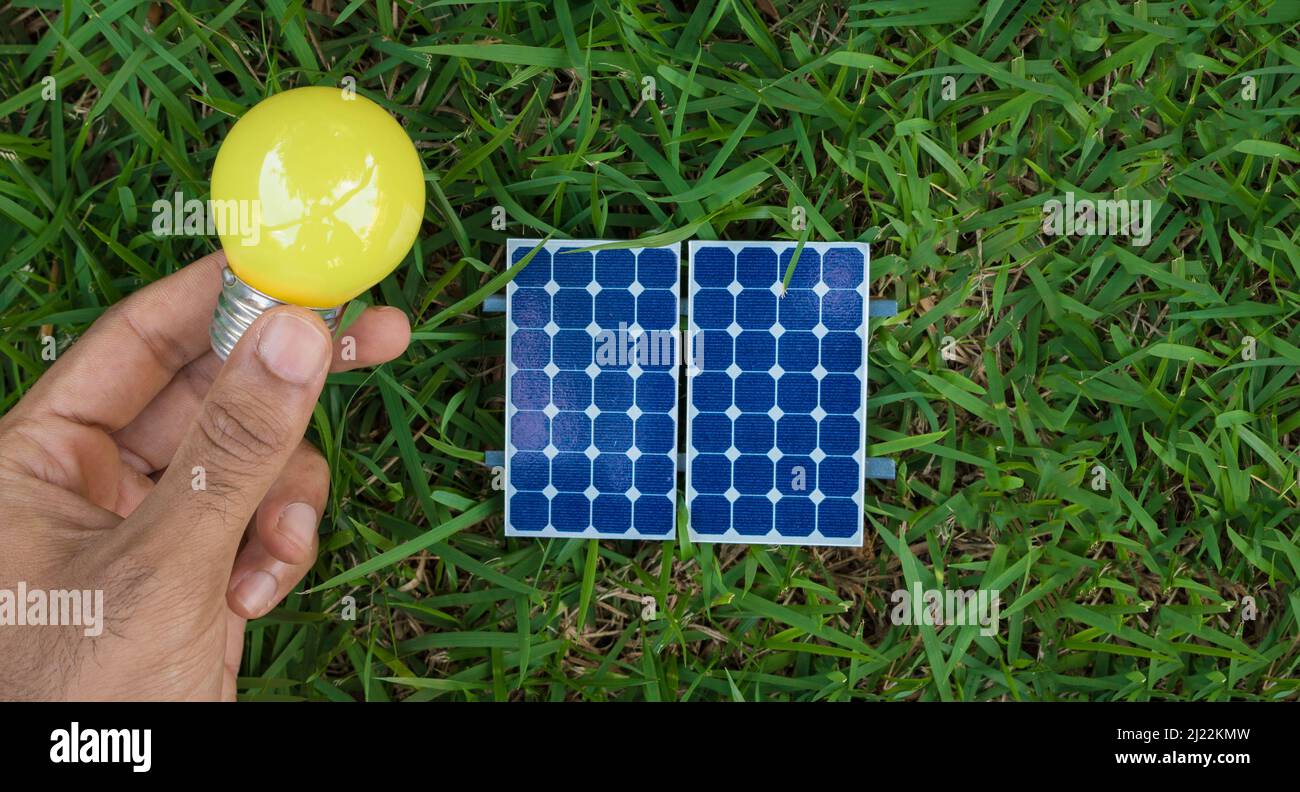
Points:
(656, 433)
(655, 515)
(613, 432)
(713, 267)
(841, 352)
(657, 309)
(571, 267)
(839, 518)
(571, 431)
(614, 269)
(531, 430)
(841, 309)
(591, 391)
(796, 475)
(531, 510)
(807, 270)
(656, 391)
(532, 307)
(799, 309)
(715, 308)
(756, 309)
(797, 351)
(752, 474)
(797, 434)
(531, 470)
(570, 513)
(530, 349)
(712, 391)
(710, 516)
(713, 348)
(711, 473)
(538, 271)
(752, 516)
(572, 349)
(754, 434)
(756, 351)
(614, 306)
(837, 434)
(658, 268)
(612, 515)
(571, 308)
(842, 268)
(711, 433)
(571, 472)
(797, 517)
(656, 473)
(613, 472)
(798, 393)
(531, 391)
(571, 390)
(756, 267)
(841, 393)
(755, 391)
(614, 390)
(838, 475)
(776, 416)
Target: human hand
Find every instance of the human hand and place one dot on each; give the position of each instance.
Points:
(97, 489)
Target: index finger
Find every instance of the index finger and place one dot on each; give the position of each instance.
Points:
(131, 352)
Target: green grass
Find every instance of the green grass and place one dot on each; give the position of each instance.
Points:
(1071, 352)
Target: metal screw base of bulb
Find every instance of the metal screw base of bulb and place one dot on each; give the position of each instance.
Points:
(239, 306)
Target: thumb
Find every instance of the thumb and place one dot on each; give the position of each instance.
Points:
(251, 421)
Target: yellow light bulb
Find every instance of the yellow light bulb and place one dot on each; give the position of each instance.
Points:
(317, 194)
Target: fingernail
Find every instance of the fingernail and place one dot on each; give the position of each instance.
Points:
(293, 348)
(297, 524)
(256, 591)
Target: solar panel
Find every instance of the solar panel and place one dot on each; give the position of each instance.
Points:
(776, 393)
(592, 340)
